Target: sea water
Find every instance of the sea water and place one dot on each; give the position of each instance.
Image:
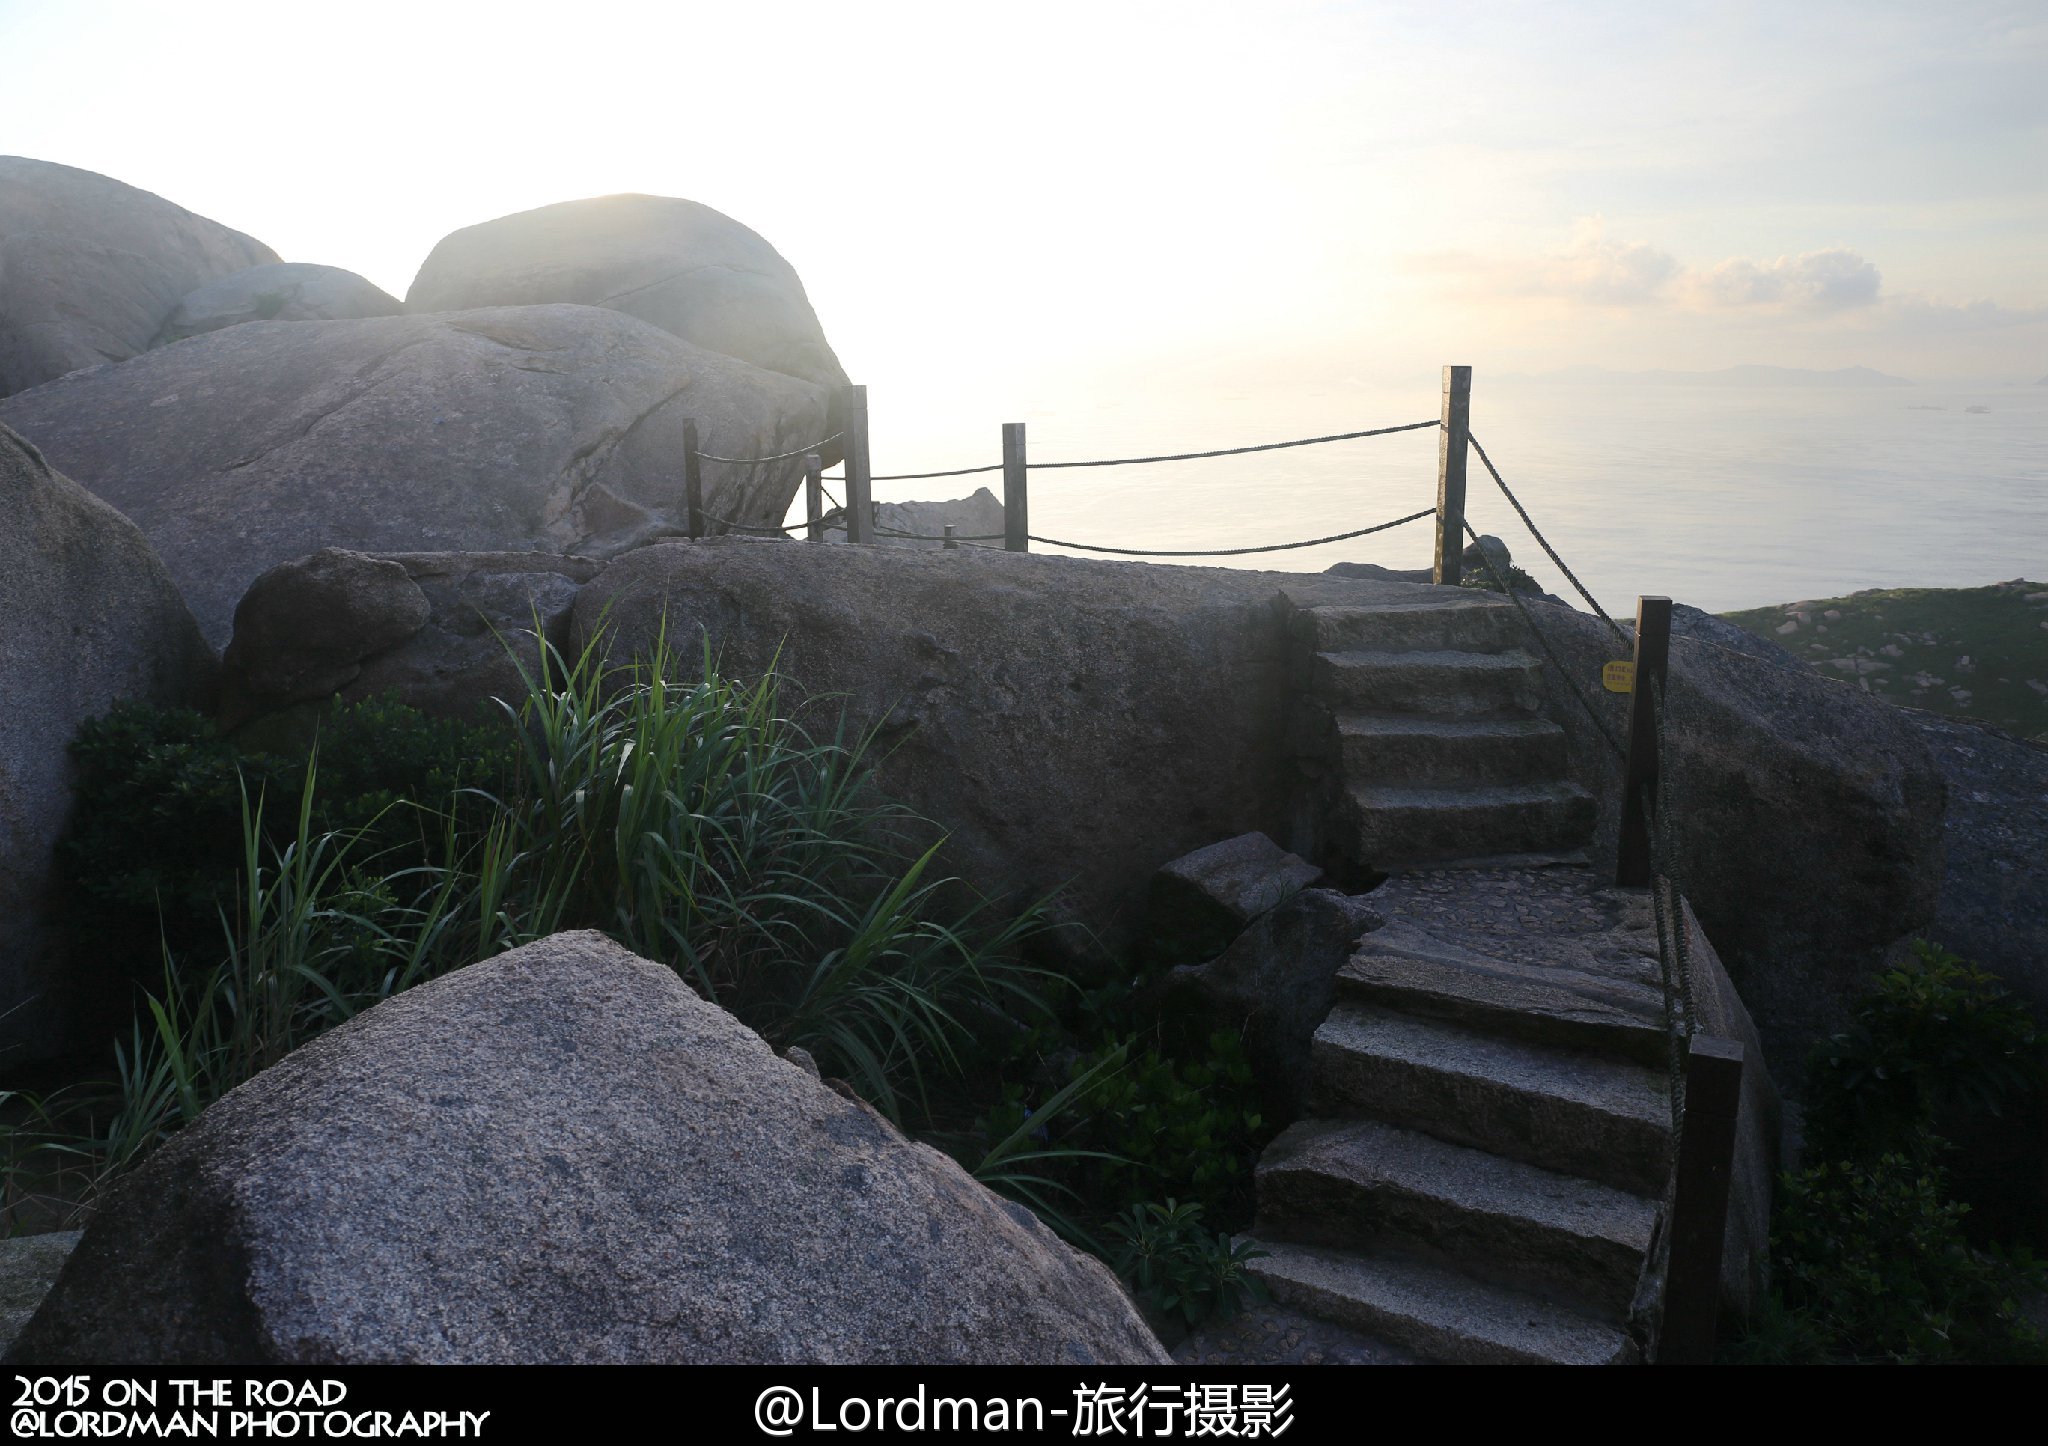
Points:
(1720, 497)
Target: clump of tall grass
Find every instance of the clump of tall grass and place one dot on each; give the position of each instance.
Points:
(692, 818)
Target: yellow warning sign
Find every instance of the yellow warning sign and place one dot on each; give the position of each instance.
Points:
(1619, 677)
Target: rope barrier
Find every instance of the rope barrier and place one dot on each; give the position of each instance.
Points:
(1591, 601)
(1555, 662)
(778, 457)
(1236, 551)
(920, 476)
(1240, 451)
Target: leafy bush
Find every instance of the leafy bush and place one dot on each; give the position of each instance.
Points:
(1871, 1264)
(684, 815)
(155, 848)
(1130, 1125)
(1178, 1269)
(1936, 1038)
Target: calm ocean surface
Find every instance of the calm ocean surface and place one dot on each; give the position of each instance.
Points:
(1720, 497)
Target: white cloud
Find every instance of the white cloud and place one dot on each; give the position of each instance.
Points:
(1830, 280)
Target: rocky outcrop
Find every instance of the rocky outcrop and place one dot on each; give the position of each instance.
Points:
(1067, 722)
(562, 1155)
(685, 268)
(446, 631)
(92, 268)
(923, 524)
(280, 291)
(1200, 903)
(1811, 814)
(555, 428)
(1273, 986)
(87, 618)
(1993, 906)
(28, 1263)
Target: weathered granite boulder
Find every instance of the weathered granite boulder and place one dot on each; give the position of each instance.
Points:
(1201, 902)
(562, 1155)
(550, 428)
(89, 268)
(923, 524)
(87, 618)
(1473, 561)
(684, 267)
(28, 1263)
(1993, 906)
(1274, 984)
(1810, 813)
(280, 291)
(1066, 721)
(445, 631)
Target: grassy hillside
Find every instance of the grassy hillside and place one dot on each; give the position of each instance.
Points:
(1974, 652)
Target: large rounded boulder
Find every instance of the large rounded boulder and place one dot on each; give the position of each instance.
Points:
(88, 618)
(562, 1155)
(281, 291)
(91, 268)
(550, 428)
(690, 270)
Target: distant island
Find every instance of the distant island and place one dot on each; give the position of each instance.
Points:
(1742, 376)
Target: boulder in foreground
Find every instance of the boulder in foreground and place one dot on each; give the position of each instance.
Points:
(563, 1155)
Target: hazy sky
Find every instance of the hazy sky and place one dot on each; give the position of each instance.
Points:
(1302, 189)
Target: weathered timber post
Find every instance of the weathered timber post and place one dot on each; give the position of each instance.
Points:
(693, 479)
(1450, 477)
(859, 486)
(952, 543)
(1632, 864)
(1016, 500)
(814, 497)
(1699, 1202)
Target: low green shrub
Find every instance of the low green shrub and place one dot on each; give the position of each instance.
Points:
(1871, 1264)
(1936, 1037)
(1128, 1124)
(1180, 1271)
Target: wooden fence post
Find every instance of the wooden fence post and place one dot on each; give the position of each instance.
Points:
(1699, 1203)
(1632, 863)
(814, 497)
(693, 479)
(1450, 477)
(952, 542)
(859, 487)
(1016, 499)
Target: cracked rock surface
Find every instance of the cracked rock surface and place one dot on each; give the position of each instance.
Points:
(549, 428)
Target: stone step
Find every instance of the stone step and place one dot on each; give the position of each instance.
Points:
(1408, 969)
(1403, 827)
(1566, 1110)
(1471, 623)
(1420, 752)
(1357, 1184)
(1435, 1311)
(1440, 683)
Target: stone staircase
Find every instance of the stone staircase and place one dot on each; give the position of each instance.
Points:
(1428, 712)
(1480, 1178)
(1482, 1173)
